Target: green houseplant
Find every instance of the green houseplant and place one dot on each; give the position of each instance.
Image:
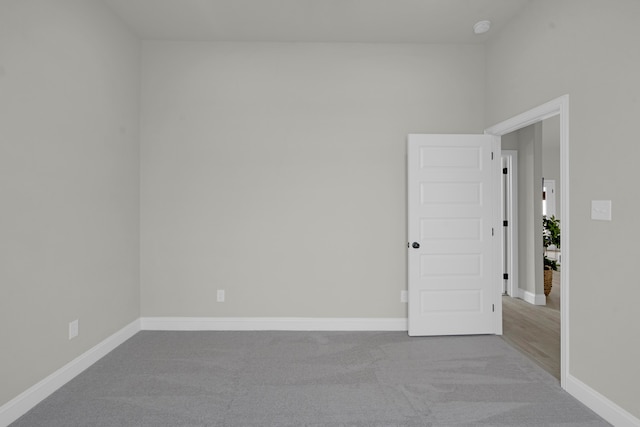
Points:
(550, 236)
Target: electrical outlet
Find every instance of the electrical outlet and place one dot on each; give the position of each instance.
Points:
(404, 296)
(220, 296)
(73, 329)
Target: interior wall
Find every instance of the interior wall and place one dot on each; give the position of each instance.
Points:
(69, 234)
(277, 172)
(530, 209)
(587, 49)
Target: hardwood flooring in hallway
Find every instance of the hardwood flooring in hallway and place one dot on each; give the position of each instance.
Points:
(535, 330)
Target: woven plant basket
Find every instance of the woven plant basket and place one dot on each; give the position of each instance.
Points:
(548, 281)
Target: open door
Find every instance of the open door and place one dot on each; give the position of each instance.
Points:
(454, 259)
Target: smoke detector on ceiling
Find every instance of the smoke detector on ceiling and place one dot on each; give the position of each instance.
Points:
(481, 27)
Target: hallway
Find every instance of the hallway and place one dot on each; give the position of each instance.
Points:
(535, 330)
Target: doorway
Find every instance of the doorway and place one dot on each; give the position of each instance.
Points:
(557, 107)
(531, 311)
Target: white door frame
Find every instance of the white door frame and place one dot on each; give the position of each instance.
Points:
(511, 157)
(556, 107)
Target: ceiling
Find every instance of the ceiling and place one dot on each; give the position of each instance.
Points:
(364, 21)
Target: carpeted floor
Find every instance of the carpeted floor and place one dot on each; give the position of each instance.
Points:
(182, 379)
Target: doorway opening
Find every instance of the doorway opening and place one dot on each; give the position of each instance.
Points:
(557, 107)
(531, 310)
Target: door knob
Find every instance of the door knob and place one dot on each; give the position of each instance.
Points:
(415, 245)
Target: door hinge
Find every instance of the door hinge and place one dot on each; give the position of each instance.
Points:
(504, 171)
(505, 223)
(492, 155)
(505, 276)
(493, 308)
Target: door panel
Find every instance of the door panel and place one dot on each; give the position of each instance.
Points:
(549, 197)
(453, 203)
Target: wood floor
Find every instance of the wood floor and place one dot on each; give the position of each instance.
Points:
(535, 330)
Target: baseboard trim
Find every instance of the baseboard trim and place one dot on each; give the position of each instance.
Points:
(599, 404)
(532, 298)
(271, 324)
(21, 404)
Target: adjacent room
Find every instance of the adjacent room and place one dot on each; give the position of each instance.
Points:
(531, 301)
(190, 183)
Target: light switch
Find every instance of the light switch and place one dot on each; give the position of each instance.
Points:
(601, 210)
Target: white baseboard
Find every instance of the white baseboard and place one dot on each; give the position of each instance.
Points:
(599, 404)
(532, 298)
(21, 404)
(271, 324)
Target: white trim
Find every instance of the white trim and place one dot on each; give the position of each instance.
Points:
(535, 115)
(599, 404)
(558, 106)
(21, 404)
(271, 324)
(497, 225)
(512, 230)
(532, 298)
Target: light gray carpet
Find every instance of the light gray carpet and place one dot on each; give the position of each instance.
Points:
(311, 379)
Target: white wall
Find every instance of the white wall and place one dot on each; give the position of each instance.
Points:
(277, 172)
(68, 184)
(589, 50)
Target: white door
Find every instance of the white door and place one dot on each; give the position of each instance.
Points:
(454, 259)
(549, 197)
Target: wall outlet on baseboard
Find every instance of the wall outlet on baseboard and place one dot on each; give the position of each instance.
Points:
(73, 329)
(404, 296)
(220, 295)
